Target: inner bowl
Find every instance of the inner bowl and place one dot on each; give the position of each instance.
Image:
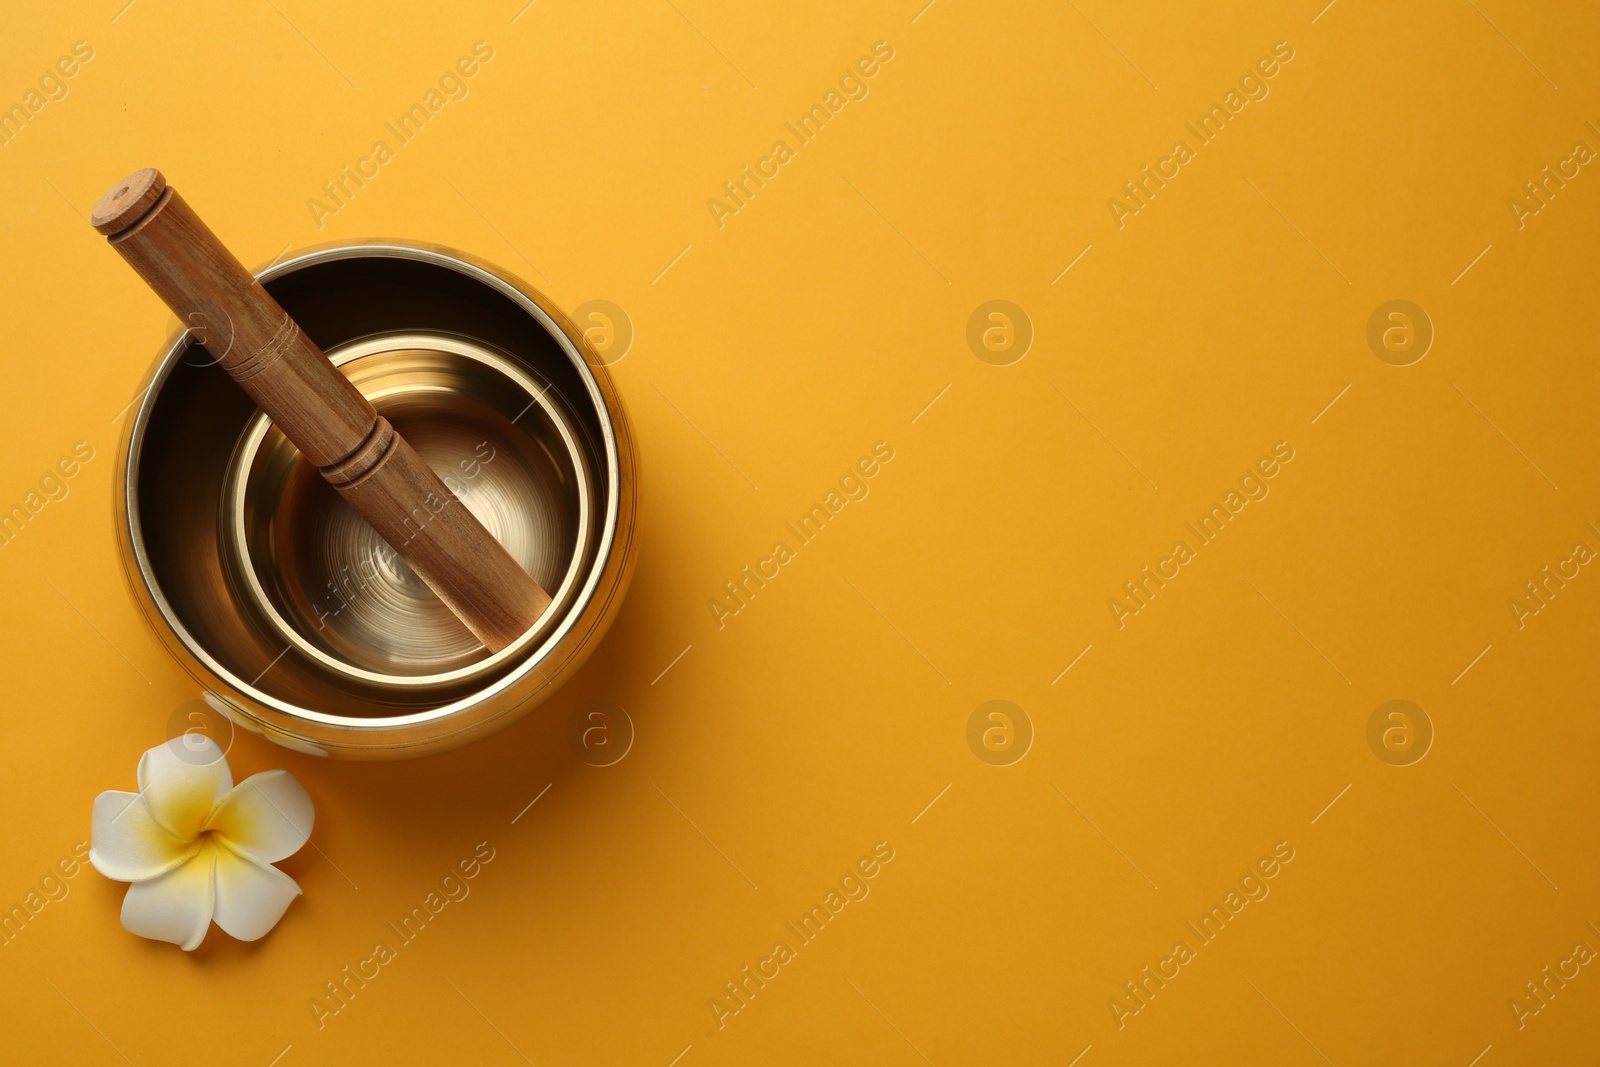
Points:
(340, 594)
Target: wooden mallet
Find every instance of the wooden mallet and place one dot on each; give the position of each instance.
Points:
(318, 409)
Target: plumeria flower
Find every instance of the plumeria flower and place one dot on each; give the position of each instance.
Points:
(197, 848)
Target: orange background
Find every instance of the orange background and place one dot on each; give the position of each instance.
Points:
(1228, 715)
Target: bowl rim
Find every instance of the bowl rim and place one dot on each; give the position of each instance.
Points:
(531, 303)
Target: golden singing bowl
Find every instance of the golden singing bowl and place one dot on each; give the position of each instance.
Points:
(340, 593)
(297, 619)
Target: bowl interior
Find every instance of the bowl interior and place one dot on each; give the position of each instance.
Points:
(191, 428)
(341, 594)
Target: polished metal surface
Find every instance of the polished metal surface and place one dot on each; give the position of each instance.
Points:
(285, 607)
(331, 586)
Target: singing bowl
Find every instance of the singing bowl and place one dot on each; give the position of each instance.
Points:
(298, 621)
(501, 441)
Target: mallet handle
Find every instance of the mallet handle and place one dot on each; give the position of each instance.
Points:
(318, 409)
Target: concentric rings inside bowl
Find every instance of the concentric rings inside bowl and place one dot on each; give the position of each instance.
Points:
(338, 593)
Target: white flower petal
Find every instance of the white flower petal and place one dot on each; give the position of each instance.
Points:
(268, 815)
(127, 844)
(182, 780)
(251, 896)
(177, 906)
